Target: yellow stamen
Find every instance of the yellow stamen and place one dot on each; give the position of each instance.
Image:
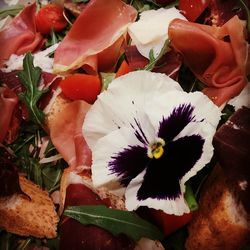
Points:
(156, 150)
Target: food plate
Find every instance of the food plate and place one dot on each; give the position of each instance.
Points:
(119, 124)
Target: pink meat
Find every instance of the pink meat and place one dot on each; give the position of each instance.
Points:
(20, 35)
(216, 55)
(99, 25)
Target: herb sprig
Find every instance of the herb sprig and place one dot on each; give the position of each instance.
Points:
(115, 221)
(10, 10)
(30, 77)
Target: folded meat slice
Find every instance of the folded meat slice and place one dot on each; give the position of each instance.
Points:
(66, 134)
(99, 26)
(232, 148)
(8, 102)
(20, 35)
(216, 55)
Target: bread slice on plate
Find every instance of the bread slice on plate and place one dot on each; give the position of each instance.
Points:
(221, 221)
(29, 217)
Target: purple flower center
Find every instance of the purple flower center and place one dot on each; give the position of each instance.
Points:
(176, 157)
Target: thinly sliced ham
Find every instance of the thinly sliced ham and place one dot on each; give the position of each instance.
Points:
(20, 35)
(216, 55)
(169, 64)
(100, 24)
(66, 134)
(20, 112)
(8, 102)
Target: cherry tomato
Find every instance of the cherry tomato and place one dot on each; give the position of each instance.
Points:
(81, 87)
(169, 223)
(124, 69)
(192, 9)
(50, 17)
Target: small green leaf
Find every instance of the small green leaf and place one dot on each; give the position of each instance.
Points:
(30, 77)
(107, 78)
(10, 10)
(114, 221)
(153, 60)
(51, 177)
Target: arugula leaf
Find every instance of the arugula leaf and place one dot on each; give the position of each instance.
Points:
(107, 78)
(30, 77)
(114, 221)
(10, 10)
(51, 177)
(153, 60)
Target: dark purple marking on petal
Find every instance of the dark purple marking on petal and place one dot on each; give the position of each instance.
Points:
(128, 163)
(163, 175)
(175, 123)
(139, 133)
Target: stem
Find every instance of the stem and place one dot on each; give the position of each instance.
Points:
(190, 198)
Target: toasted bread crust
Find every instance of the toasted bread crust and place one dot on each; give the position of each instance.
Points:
(220, 222)
(57, 106)
(35, 217)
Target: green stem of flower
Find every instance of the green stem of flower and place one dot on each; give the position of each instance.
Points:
(190, 198)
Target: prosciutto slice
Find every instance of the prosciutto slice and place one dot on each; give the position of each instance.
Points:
(216, 55)
(66, 134)
(20, 35)
(99, 26)
(8, 102)
(169, 64)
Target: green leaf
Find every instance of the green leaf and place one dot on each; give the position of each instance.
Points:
(141, 6)
(51, 177)
(30, 77)
(10, 10)
(153, 60)
(114, 221)
(190, 198)
(107, 78)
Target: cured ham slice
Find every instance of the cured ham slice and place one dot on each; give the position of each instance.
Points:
(216, 55)
(8, 102)
(169, 64)
(66, 134)
(99, 26)
(20, 35)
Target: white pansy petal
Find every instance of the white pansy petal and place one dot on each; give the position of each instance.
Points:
(106, 148)
(125, 98)
(206, 132)
(243, 99)
(177, 206)
(166, 103)
(150, 31)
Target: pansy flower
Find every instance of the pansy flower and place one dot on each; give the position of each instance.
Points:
(148, 137)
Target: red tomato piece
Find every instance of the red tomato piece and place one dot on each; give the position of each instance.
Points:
(124, 69)
(169, 223)
(192, 9)
(50, 17)
(81, 87)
